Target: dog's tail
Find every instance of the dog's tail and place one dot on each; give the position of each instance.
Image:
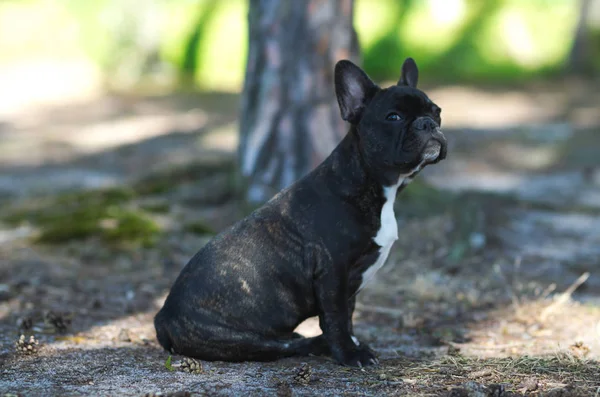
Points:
(161, 332)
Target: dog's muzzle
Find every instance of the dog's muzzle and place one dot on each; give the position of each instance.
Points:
(432, 150)
(436, 148)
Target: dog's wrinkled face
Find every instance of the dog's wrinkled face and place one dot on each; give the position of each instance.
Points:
(398, 127)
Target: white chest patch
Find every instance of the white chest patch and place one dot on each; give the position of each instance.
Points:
(388, 232)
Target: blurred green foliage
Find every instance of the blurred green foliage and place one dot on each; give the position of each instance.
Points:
(467, 40)
(203, 43)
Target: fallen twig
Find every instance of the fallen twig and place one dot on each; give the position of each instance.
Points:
(380, 309)
(564, 297)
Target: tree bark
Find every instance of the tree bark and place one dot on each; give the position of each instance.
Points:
(580, 51)
(290, 119)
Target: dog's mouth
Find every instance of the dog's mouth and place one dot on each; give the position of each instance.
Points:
(435, 149)
(432, 151)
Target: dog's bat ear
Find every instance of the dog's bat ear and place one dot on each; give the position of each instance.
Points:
(354, 90)
(410, 73)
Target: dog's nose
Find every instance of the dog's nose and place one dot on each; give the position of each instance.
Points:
(424, 123)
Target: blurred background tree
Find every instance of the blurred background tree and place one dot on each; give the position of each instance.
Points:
(580, 58)
(290, 119)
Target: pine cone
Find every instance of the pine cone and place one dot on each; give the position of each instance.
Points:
(27, 346)
(303, 374)
(59, 321)
(191, 366)
(579, 349)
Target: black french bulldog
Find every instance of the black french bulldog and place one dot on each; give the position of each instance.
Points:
(313, 246)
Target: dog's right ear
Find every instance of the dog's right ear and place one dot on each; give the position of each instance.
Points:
(410, 73)
(354, 90)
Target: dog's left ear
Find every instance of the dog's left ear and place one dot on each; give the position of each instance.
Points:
(410, 73)
(354, 90)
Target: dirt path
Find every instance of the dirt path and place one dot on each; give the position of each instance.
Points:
(480, 296)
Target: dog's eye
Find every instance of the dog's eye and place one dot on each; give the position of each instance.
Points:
(393, 117)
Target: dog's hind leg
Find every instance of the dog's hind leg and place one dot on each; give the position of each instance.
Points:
(222, 343)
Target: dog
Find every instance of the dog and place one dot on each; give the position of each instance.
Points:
(311, 248)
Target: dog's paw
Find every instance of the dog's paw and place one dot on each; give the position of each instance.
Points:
(360, 357)
(362, 345)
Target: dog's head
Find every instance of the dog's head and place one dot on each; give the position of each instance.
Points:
(398, 128)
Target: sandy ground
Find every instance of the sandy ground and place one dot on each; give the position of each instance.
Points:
(493, 288)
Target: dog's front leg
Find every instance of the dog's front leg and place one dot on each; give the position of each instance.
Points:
(351, 306)
(331, 287)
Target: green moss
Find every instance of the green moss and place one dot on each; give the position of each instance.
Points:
(102, 213)
(67, 227)
(130, 226)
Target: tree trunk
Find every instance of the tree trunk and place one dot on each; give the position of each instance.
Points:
(290, 119)
(580, 51)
